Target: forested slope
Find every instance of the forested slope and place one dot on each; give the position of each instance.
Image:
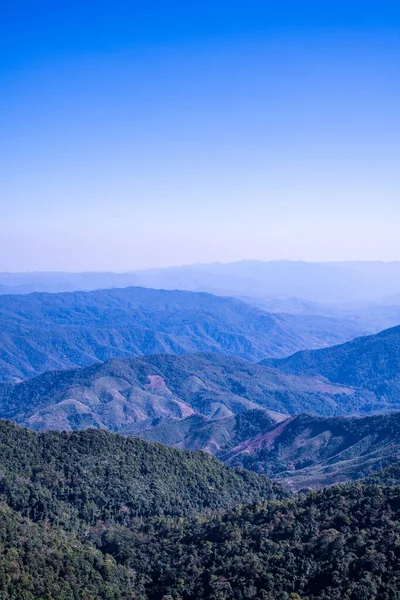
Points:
(92, 475)
(370, 363)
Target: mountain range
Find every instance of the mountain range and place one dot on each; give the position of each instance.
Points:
(41, 331)
(244, 414)
(123, 392)
(358, 377)
(328, 282)
(144, 515)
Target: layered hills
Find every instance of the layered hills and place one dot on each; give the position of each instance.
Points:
(302, 451)
(40, 332)
(243, 413)
(246, 414)
(329, 282)
(123, 392)
(96, 514)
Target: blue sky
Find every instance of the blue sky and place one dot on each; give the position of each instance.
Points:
(140, 134)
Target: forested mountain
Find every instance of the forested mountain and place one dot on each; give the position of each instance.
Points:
(68, 527)
(369, 363)
(41, 562)
(387, 476)
(337, 301)
(338, 543)
(123, 392)
(92, 475)
(40, 332)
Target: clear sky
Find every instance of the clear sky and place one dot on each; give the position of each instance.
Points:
(138, 134)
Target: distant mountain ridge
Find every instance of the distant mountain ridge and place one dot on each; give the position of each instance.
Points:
(41, 332)
(329, 282)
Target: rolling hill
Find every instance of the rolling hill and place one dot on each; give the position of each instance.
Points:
(123, 392)
(301, 451)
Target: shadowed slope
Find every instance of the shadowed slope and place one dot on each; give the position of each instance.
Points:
(370, 363)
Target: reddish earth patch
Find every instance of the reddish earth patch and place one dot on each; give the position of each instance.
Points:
(185, 409)
(155, 381)
(262, 440)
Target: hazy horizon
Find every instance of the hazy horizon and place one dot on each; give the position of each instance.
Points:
(141, 137)
(201, 264)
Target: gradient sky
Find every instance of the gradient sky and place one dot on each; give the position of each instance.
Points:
(140, 134)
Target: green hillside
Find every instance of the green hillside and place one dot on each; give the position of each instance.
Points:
(307, 451)
(91, 514)
(39, 562)
(96, 475)
(338, 544)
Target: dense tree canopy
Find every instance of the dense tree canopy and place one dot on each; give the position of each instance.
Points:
(94, 515)
(91, 475)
